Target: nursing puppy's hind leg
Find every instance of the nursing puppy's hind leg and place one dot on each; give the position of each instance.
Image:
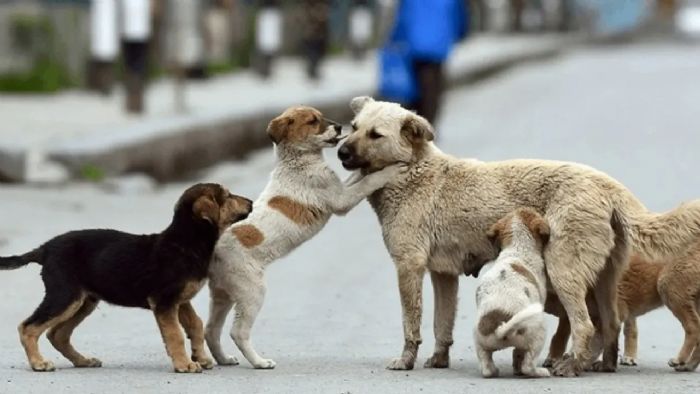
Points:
(445, 289)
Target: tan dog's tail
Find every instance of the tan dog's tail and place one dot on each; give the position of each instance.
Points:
(14, 262)
(658, 236)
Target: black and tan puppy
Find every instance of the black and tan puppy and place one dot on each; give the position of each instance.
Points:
(161, 272)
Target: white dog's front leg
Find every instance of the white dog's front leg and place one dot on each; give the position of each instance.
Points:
(356, 188)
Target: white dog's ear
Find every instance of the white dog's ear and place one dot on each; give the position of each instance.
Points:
(358, 103)
(417, 129)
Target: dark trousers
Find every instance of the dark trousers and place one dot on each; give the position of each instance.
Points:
(135, 73)
(429, 76)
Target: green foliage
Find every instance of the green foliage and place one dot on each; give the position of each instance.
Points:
(46, 76)
(92, 173)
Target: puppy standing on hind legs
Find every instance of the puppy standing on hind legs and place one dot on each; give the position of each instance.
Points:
(510, 295)
(300, 198)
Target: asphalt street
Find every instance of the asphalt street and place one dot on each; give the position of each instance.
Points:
(332, 316)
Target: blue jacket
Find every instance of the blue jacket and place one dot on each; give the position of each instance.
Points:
(430, 27)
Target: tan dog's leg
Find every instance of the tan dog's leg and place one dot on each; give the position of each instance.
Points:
(410, 272)
(684, 309)
(171, 332)
(60, 334)
(220, 304)
(445, 289)
(195, 332)
(557, 346)
(630, 330)
(605, 292)
(571, 288)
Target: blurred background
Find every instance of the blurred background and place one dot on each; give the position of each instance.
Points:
(110, 108)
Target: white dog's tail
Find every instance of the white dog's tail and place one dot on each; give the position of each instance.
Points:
(518, 320)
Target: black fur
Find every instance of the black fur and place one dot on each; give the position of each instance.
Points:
(127, 269)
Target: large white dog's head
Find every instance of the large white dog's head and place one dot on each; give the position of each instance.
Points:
(383, 134)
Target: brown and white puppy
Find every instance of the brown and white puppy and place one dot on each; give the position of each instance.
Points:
(160, 272)
(435, 216)
(645, 286)
(302, 194)
(510, 296)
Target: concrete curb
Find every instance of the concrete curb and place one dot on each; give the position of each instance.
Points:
(173, 146)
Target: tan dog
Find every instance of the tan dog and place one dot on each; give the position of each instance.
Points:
(510, 296)
(646, 286)
(435, 216)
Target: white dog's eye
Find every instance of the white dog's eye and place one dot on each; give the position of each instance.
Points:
(374, 135)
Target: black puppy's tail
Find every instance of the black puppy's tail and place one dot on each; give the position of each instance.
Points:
(13, 262)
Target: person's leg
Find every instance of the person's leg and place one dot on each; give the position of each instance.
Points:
(429, 77)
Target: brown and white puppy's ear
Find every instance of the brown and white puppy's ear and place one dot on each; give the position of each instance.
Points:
(501, 233)
(417, 129)
(278, 128)
(358, 103)
(536, 224)
(205, 207)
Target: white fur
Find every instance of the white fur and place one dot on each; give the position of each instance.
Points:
(236, 274)
(501, 288)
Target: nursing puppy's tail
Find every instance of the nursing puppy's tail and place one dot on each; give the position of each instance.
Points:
(13, 262)
(665, 235)
(518, 320)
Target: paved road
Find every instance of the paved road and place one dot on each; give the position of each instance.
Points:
(332, 315)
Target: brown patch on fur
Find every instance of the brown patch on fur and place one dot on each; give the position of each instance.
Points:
(501, 233)
(295, 124)
(301, 214)
(29, 336)
(536, 224)
(522, 270)
(190, 290)
(491, 320)
(248, 235)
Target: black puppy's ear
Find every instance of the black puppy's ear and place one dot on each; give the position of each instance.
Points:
(277, 129)
(206, 208)
(358, 103)
(417, 129)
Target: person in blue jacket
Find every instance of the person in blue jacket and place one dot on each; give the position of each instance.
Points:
(429, 29)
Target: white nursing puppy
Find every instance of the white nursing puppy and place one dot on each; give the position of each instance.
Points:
(511, 295)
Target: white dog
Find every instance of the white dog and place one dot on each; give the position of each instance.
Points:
(299, 199)
(511, 295)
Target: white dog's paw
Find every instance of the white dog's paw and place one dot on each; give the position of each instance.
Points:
(227, 360)
(541, 373)
(490, 372)
(624, 360)
(399, 364)
(265, 363)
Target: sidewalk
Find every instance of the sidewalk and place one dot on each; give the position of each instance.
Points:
(226, 115)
